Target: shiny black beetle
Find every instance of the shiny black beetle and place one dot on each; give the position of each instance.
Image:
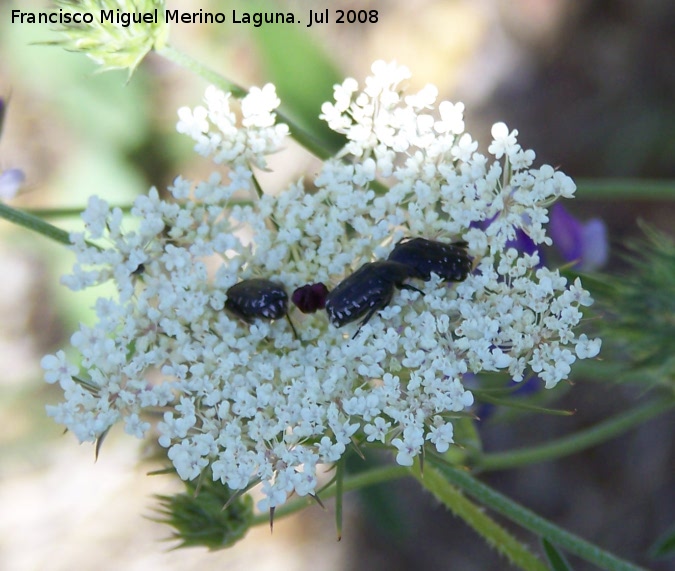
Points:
(258, 297)
(422, 256)
(367, 290)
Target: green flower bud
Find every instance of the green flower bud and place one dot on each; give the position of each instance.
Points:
(198, 518)
(121, 34)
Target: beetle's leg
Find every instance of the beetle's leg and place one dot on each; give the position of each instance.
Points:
(288, 317)
(375, 308)
(366, 319)
(409, 287)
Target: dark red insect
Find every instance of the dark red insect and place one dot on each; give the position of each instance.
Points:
(310, 297)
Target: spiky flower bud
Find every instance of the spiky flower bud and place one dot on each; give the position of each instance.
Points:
(120, 34)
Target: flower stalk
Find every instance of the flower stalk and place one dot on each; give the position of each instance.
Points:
(475, 517)
(574, 443)
(525, 517)
(34, 223)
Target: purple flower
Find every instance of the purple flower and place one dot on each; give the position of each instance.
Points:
(523, 243)
(11, 179)
(584, 244)
(10, 182)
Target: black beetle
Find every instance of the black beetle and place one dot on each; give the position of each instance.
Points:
(367, 290)
(258, 297)
(422, 256)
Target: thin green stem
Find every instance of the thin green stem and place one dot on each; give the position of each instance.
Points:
(476, 518)
(574, 443)
(528, 519)
(76, 211)
(339, 495)
(485, 396)
(599, 370)
(70, 212)
(34, 223)
(184, 60)
(362, 480)
(312, 144)
(625, 189)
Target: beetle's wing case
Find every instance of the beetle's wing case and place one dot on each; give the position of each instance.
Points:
(357, 294)
(364, 292)
(257, 297)
(450, 261)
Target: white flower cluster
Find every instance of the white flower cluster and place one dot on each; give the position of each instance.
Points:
(250, 401)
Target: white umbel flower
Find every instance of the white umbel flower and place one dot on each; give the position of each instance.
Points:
(250, 401)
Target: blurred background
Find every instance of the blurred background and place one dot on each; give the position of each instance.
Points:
(590, 86)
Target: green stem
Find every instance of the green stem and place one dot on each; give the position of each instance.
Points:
(476, 518)
(625, 189)
(68, 212)
(195, 66)
(362, 480)
(76, 211)
(529, 520)
(73, 212)
(339, 495)
(34, 223)
(600, 370)
(313, 145)
(485, 396)
(612, 369)
(575, 442)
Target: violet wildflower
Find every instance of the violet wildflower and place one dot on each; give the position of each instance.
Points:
(245, 403)
(583, 243)
(10, 183)
(10, 179)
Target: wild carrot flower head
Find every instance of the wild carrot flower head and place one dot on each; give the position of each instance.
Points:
(250, 401)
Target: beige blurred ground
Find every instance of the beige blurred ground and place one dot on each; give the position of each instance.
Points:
(71, 513)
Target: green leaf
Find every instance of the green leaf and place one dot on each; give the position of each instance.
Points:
(303, 75)
(614, 189)
(99, 441)
(380, 506)
(664, 546)
(512, 403)
(466, 434)
(639, 328)
(556, 559)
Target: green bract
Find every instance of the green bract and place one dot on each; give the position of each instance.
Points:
(108, 41)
